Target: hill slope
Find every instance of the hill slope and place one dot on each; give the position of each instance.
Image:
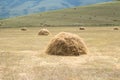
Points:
(105, 14)
(12, 8)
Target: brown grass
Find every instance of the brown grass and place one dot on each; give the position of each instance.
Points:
(44, 32)
(66, 44)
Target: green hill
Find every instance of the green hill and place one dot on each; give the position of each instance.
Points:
(105, 14)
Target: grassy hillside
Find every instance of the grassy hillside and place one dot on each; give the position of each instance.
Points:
(105, 14)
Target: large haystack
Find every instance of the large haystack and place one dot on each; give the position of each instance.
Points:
(66, 44)
(44, 32)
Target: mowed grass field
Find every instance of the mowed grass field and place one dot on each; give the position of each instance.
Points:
(22, 55)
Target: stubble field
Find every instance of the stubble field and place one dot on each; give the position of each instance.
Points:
(22, 55)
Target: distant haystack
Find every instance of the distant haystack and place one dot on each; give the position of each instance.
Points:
(74, 8)
(24, 29)
(82, 28)
(115, 28)
(66, 44)
(44, 32)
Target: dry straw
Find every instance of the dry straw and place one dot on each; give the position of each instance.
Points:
(24, 29)
(66, 44)
(82, 28)
(44, 32)
(115, 28)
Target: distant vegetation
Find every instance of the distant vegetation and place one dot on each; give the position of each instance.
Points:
(104, 14)
(25, 7)
(1, 18)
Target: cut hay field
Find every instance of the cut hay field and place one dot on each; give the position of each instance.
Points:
(22, 55)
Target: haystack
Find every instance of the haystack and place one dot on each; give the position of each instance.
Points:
(24, 29)
(82, 28)
(66, 44)
(115, 28)
(44, 32)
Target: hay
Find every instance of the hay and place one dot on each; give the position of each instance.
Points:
(44, 32)
(24, 29)
(82, 28)
(115, 28)
(66, 44)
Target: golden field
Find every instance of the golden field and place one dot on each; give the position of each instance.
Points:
(22, 55)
